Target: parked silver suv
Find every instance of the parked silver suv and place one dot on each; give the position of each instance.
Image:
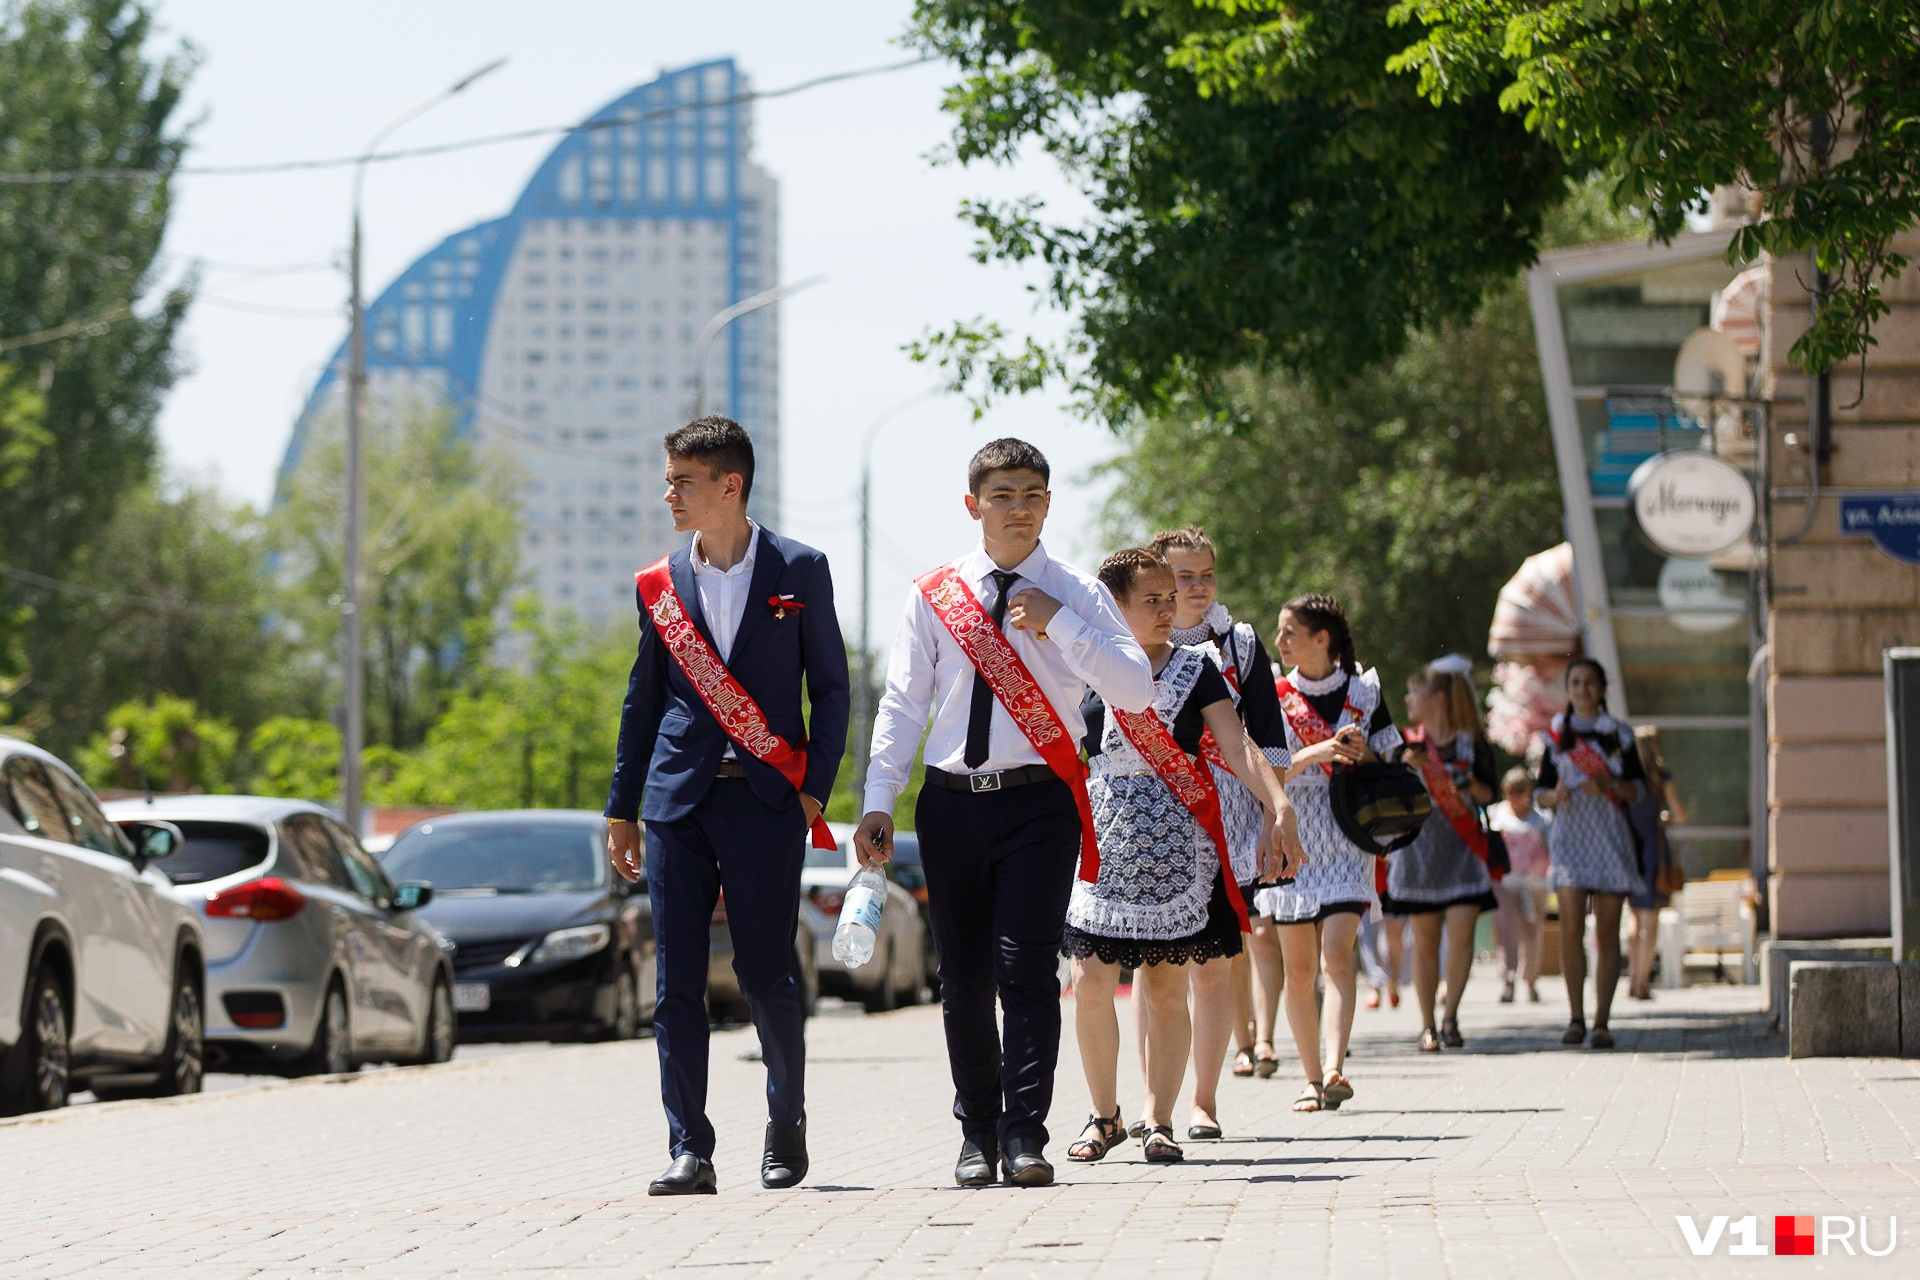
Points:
(101, 982)
(316, 961)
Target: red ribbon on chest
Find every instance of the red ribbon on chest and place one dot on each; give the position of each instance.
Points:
(1307, 724)
(739, 715)
(1447, 798)
(1192, 785)
(1014, 687)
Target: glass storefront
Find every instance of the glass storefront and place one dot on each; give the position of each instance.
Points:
(1622, 332)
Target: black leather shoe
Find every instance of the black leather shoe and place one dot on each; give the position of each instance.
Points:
(688, 1175)
(979, 1162)
(1026, 1166)
(784, 1162)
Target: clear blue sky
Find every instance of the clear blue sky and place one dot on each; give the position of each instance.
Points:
(859, 203)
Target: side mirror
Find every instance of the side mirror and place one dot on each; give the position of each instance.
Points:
(153, 839)
(412, 895)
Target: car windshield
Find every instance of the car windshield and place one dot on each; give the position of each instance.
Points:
(906, 849)
(213, 850)
(519, 857)
(831, 859)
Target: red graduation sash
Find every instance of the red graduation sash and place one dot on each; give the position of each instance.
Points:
(1587, 759)
(1447, 798)
(739, 715)
(1191, 784)
(1229, 668)
(1013, 685)
(1306, 722)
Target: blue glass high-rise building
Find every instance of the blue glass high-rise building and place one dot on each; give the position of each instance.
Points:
(563, 333)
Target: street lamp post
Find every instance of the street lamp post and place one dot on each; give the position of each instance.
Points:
(726, 316)
(353, 655)
(864, 717)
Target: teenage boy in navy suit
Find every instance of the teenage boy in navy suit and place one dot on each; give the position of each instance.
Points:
(730, 626)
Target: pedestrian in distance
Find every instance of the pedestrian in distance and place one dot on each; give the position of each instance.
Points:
(1442, 881)
(1334, 715)
(1521, 923)
(1167, 898)
(1660, 870)
(992, 657)
(716, 758)
(1589, 773)
(1237, 997)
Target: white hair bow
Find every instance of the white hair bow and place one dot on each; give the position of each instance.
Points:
(1454, 664)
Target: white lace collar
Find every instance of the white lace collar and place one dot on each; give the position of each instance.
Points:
(1314, 688)
(1216, 621)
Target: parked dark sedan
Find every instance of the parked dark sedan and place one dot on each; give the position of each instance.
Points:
(548, 943)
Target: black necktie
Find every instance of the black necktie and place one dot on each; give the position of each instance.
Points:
(980, 714)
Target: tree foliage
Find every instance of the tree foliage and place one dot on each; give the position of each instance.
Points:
(1264, 195)
(1411, 494)
(440, 556)
(170, 597)
(160, 744)
(1815, 106)
(80, 92)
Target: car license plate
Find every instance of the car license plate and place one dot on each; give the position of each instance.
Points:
(472, 997)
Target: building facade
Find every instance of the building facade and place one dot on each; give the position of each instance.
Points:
(562, 336)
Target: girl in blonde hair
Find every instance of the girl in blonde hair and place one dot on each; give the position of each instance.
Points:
(1441, 880)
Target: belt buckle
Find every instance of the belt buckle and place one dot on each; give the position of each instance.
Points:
(981, 782)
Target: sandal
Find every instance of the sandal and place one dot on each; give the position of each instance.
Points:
(1429, 1041)
(1450, 1035)
(1393, 996)
(1312, 1098)
(1161, 1148)
(1243, 1062)
(1373, 998)
(1206, 1129)
(1107, 1134)
(1137, 1130)
(1264, 1065)
(1602, 1038)
(1576, 1032)
(1336, 1090)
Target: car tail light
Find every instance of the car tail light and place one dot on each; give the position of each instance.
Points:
(828, 900)
(269, 898)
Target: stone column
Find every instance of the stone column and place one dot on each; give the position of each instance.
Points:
(1835, 604)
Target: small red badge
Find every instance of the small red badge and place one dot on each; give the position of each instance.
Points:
(783, 603)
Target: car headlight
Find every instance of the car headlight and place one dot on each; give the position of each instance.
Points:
(565, 944)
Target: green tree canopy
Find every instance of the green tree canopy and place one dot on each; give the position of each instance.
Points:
(1813, 106)
(161, 744)
(441, 554)
(80, 93)
(1264, 194)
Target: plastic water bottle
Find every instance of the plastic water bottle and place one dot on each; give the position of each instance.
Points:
(859, 925)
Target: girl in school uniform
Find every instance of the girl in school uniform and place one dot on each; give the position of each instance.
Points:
(1441, 881)
(1334, 713)
(1590, 771)
(1165, 897)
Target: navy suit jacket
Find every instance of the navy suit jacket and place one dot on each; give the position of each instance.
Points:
(670, 744)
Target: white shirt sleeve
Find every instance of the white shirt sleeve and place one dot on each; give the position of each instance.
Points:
(1100, 649)
(901, 718)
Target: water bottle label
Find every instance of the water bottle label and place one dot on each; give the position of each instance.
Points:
(863, 907)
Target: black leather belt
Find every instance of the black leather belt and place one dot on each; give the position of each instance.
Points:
(980, 783)
(730, 769)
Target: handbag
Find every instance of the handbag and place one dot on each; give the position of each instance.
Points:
(1499, 861)
(1380, 807)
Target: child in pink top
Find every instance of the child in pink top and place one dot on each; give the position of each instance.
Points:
(1522, 919)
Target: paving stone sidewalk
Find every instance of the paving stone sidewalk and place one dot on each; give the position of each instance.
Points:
(1513, 1158)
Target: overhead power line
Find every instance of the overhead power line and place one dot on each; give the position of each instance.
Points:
(441, 148)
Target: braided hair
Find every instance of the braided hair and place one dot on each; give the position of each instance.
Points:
(1318, 612)
(1566, 736)
(1119, 570)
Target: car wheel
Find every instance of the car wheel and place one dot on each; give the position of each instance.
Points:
(626, 1003)
(885, 997)
(184, 1067)
(332, 1052)
(35, 1075)
(437, 1044)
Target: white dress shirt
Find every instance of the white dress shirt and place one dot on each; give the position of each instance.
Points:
(723, 597)
(930, 678)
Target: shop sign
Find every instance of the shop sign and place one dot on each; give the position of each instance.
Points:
(1691, 503)
(1892, 520)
